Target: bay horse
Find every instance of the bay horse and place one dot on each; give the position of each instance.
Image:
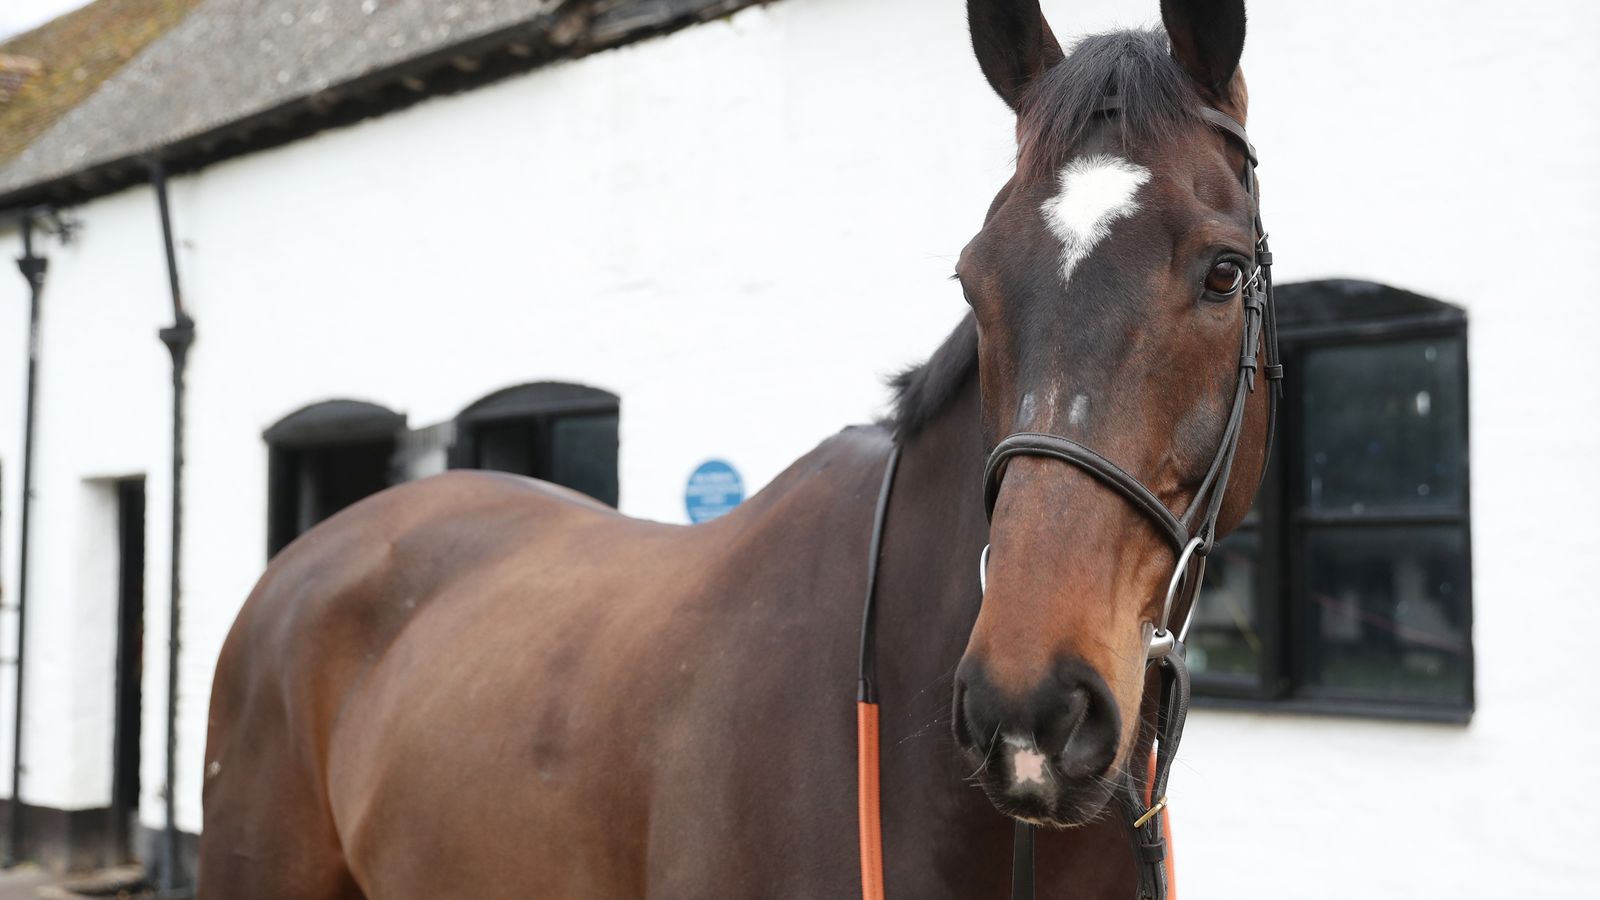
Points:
(479, 685)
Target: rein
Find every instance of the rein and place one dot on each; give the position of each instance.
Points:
(1192, 536)
(870, 823)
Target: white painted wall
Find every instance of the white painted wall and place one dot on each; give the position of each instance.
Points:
(687, 221)
(1428, 145)
(102, 409)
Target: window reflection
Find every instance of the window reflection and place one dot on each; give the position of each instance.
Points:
(1386, 609)
(1383, 426)
(1224, 636)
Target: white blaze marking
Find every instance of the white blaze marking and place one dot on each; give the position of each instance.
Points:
(1095, 191)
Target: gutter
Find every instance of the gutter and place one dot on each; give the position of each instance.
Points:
(178, 337)
(33, 269)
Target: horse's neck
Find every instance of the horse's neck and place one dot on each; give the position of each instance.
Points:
(936, 531)
(928, 599)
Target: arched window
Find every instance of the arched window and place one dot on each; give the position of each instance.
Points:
(323, 458)
(1348, 588)
(562, 433)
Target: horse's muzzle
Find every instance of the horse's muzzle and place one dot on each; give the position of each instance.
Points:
(1046, 755)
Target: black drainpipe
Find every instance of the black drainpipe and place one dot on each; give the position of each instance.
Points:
(33, 269)
(178, 337)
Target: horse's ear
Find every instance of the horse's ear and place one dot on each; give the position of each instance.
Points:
(1207, 39)
(1013, 43)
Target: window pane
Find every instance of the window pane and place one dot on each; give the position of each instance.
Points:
(1386, 613)
(309, 484)
(509, 445)
(1385, 425)
(583, 455)
(1224, 641)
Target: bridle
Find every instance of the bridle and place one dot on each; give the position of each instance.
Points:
(1192, 536)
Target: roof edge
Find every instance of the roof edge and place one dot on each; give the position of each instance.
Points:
(476, 62)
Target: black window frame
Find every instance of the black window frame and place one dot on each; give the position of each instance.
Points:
(538, 406)
(1318, 315)
(320, 426)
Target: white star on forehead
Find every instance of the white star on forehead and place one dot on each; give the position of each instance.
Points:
(1094, 192)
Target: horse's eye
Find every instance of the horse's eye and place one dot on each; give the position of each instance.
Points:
(1224, 279)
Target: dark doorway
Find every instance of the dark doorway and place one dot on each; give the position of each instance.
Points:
(563, 433)
(130, 665)
(324, 458)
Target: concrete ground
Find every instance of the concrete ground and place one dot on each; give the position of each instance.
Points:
(23, 883)
(30, 883)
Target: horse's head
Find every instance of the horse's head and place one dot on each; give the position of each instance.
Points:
(1111, 285)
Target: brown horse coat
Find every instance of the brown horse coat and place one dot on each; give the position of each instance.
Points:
(478, 685)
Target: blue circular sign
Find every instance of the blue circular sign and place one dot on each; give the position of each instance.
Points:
(713, 490)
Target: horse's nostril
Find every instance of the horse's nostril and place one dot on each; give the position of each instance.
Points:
(1091, 728)
(1060, 729)
(1069, 719)
(978, 711)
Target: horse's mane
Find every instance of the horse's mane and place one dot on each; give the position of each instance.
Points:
(1158, 98)
(923, 390)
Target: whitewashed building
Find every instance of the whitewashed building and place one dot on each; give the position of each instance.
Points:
(521, 234)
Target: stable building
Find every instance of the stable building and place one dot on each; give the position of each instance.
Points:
(276, 256)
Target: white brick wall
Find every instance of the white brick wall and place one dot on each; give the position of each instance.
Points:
(691, 221)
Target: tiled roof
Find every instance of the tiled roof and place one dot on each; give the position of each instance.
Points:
(16, 71)
(238, 74)
(45, 72)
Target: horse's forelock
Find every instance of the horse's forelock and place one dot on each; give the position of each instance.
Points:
(1158, 98)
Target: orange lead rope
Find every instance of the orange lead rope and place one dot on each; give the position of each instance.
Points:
(1172, 867)
(867, 801)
